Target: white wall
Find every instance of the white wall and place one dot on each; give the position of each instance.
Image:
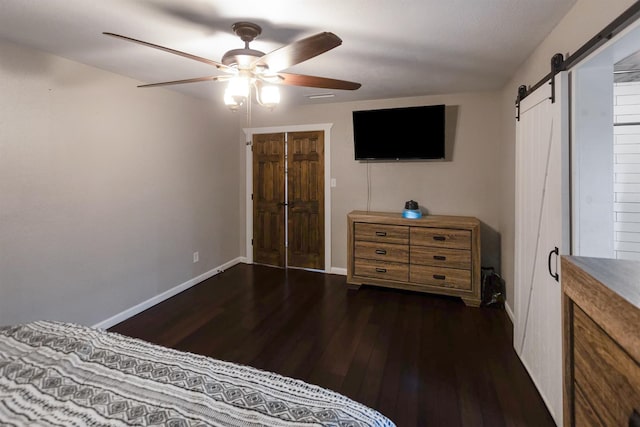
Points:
(585, 19)
(626, 170)
(106, 190)
(592, 162)
(466, 185)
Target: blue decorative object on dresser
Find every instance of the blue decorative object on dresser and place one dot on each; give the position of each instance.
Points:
(411, 210)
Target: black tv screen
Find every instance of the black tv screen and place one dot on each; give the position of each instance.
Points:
(399, 133)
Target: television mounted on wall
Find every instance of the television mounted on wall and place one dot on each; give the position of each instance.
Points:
(408, 133)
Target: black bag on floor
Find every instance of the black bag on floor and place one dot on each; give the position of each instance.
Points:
(493, 288)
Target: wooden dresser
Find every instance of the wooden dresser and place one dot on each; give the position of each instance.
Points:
(437, 254)
(601, 341)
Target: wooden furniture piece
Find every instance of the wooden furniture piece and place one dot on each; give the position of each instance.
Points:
(436, 254)
(601, 341)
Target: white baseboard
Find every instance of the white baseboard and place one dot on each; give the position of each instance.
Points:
(509, 311)
(138, 308)
(338, 270)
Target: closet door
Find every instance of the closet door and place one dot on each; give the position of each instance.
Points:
(305, 178)
(541, 228)
(268, 199)
(288, 220)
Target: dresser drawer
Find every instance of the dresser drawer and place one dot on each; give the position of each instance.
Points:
(441, 238)
(382, 251)
(605, 375)
(439, 276)
(381, 233)
(381, 270)
(441, 257)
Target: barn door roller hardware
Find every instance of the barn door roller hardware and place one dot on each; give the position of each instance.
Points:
(522, 92)
(557, 65)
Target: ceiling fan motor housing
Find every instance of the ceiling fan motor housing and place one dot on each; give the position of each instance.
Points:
(242, 58)
(247, 31)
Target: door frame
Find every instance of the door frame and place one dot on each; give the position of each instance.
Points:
(249, 132)
(596, 67)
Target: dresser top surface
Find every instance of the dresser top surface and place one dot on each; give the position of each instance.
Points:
(620, 276)
(425, 221)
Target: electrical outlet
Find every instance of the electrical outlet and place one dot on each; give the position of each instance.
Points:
(196, 256)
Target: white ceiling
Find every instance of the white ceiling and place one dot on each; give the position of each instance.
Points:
(395, 49)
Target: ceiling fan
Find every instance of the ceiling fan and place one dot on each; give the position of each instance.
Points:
(246, 67)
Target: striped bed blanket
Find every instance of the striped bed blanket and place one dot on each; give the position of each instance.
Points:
(61, 374)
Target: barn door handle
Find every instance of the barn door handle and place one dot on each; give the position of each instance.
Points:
(554, 275)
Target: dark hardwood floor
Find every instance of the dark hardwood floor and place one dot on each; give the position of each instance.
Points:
(419, 359)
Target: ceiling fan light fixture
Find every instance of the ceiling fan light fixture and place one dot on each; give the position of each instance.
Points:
(230, 102)
(238, 88)
(236, 92)
(269, 96)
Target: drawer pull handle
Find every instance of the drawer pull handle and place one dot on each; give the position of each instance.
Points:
(440, 257)
(381, 252)
(439, 277)
(381, 233)
(381, 270)
(554, 275)
(439, 238)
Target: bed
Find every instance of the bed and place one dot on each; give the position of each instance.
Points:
(62, 374)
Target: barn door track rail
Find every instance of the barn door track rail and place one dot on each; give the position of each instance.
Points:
(559, 63)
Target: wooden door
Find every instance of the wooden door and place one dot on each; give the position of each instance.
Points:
(268, 199)
(305, 182)
(541, 228)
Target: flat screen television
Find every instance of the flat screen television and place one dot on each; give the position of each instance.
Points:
(409, 133)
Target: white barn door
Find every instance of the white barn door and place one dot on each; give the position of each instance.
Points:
(541, 225)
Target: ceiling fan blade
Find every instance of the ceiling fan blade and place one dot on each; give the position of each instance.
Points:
(314, 81)
(175, 52)
(298, 51)
(179, 82)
